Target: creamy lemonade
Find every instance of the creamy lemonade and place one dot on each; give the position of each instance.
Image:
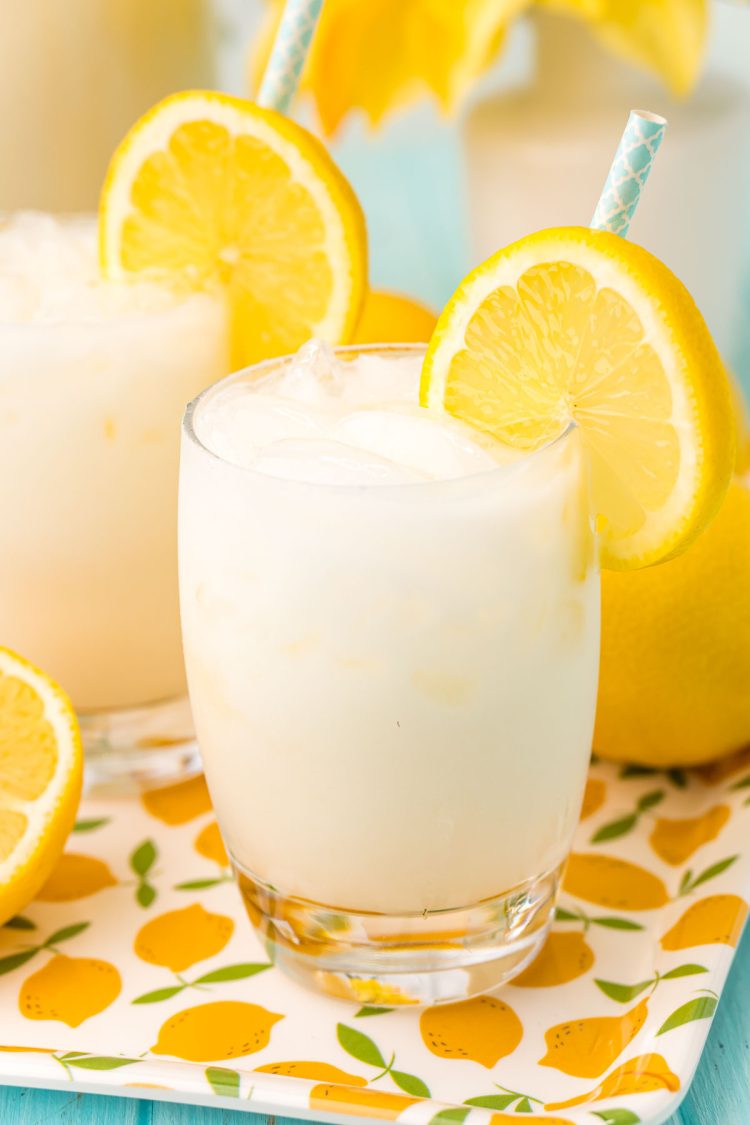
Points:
(93, 377)
(391, 633)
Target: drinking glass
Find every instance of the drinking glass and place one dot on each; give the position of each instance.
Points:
(90, 410)
(393, 688)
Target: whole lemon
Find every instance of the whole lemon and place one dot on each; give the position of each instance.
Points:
(675, 662)
(394, 318)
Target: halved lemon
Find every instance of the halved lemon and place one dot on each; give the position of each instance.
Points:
(41, 768)
(580, 325)
(211, 191)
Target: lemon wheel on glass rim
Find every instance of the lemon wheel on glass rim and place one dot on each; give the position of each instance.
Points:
(212, 191)
(576, 325)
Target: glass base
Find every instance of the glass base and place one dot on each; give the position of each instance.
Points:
(140, 748)
(388, 960)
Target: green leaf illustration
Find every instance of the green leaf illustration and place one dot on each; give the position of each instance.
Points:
(198, 884)
(617, 1116)
(617, 923)
(145, 894)
(637, 771)
(743, 783)
(410, 1084)
(684, 971)
(702, 1008)
(225, 1083)
(20, 923)
(562, 915)
(160, 994)
(66, 933)
(623, 993)
(359, 1046)
(144, 858)
(712, 871)
(370, 1010)
(524, 1106)
(684, 882)
(449, 1117)
(493, 1101)
(99, 1062)
(91, 825)
(8, 964)
(233, 972)
(615, 828)
(649, 800)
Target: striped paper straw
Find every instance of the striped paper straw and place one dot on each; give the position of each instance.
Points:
(630, 169)
(288, 54)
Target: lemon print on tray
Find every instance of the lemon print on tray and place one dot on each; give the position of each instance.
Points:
(69, 989)
(223, 1029)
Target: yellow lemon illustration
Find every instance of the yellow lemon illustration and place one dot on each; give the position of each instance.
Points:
(642, 1075)
(225, 1029)
(614, 883)
(716, 920)
(563, 957)
(76, 876)
(317, 1071)
(357, 1102)
(394, 318)
(69, 989)
(177, 804)
(209, 843)
(30, 1050)
(364, 990)
(674, 841)
(179, 938)
(586, 1048)
(593, 797)
(483, 1029)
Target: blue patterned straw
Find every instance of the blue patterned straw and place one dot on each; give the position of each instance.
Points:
(630, 169)
(288, 54)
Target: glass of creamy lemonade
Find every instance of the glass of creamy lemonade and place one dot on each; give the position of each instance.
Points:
(93, 378)
(391, 635)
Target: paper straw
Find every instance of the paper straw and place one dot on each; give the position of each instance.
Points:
(288, 54)
(630, 169)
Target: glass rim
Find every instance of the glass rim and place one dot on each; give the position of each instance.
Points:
(266, 365)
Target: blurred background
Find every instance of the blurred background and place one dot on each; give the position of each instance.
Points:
(530, 118)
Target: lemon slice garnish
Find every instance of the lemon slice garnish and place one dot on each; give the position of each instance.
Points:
(209, 191)
(581, 325)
